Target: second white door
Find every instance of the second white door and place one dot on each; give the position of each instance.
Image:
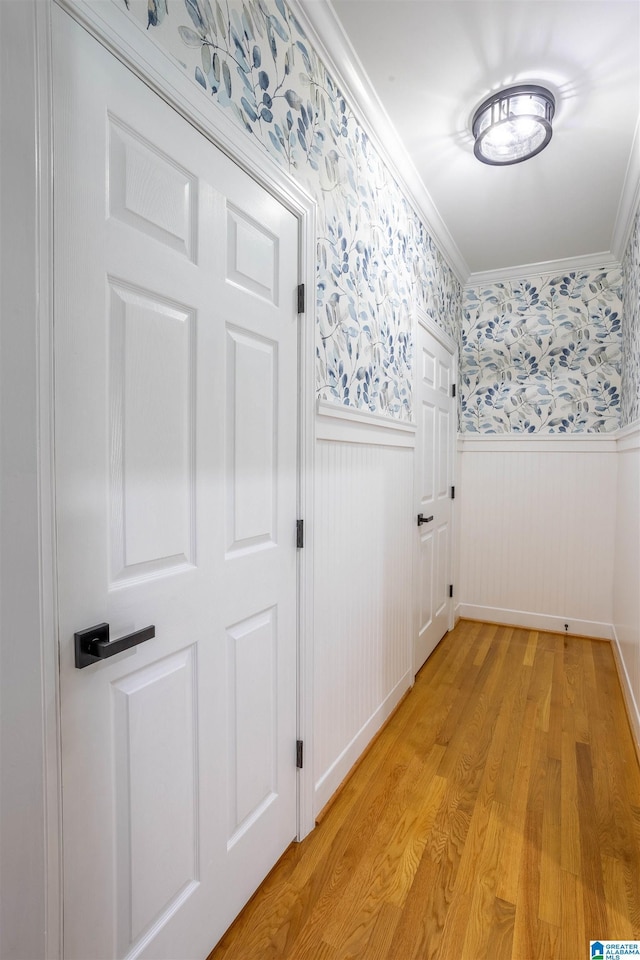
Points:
(176, 475)
(435, 439)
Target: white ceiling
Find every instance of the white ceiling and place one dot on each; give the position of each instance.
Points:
(431, 62)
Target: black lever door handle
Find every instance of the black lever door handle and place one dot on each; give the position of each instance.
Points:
(93, 644)
(422, 519)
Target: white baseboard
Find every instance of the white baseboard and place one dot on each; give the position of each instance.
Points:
(633, 711)
(537, 621)
(339, 769)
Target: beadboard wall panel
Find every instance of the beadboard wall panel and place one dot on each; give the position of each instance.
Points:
(363, 599)
(537, 533)
(626, 581)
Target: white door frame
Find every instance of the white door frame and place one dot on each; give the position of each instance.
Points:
(30, 919)
(423, 319)
(113, 28)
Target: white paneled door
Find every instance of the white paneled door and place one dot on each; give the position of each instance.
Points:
(435, 439)
(176, 474)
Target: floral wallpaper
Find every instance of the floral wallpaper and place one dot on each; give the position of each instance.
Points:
(630, 407)
(375, 258)
(543, 354)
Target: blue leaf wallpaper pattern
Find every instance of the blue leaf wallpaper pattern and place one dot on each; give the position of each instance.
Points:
(630, 407)
(376, 261)
(543, 354)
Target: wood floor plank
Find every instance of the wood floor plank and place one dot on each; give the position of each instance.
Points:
(527, 925)
(550, 896)
(613, 771)
(482, 910)
(517, 807)
(532, 646)
(424, 810)
(514, 705)
(569, 813)
(470, 743)
(574, 697)
(595, 917)
(497, 815)
(554, 742)
(631, 874)
(510, 699)
(500, 933)
(486, 639)
(384, 872)
(417, 934)
(573, 932)
(615, 888)
(548, 939)
(379, 943)
(470, 677)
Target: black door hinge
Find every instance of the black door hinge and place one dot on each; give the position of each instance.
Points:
(301, 298)
(453, 389)
(299, 534)
(453, 493)
(299, 757)
(450, 589)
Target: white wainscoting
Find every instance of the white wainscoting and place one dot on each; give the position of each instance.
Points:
(364, 547)
(626, 582)
(537, 532)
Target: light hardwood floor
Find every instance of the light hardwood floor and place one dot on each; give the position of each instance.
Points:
(497, 815)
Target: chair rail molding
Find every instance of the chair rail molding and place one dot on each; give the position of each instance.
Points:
(351, 425)
(538, 443)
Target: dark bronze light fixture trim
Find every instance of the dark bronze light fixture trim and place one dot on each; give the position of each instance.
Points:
(513, 125)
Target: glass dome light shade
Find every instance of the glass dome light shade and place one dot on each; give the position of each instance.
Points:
(513, 125)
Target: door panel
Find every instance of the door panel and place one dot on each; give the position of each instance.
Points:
(176, 475)
(152, 442)
(155, 723)
(426, 598)
(252, 437)
(434, 469)
(150, 192)
(252, 259)
(252, 712)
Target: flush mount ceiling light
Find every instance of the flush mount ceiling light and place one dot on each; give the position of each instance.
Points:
(513, 125)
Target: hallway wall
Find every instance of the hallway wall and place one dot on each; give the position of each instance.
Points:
(626, 579)
(377, 264)
(542, 354)
(626, 572)
(540, 381)
(550, 462)
(630, 402)
(537, 532)
(376, 260)
(388, 251)
(364, 590)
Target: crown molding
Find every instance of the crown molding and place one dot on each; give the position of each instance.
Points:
(334, 48)
(591, 261)
(629, 199)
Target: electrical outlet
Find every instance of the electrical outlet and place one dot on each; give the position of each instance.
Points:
(566, 628)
